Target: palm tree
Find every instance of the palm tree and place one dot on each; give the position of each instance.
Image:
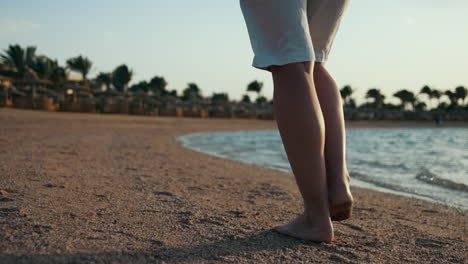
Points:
(346, 93)
(80, 64)
(191, 92)
(121, 76)
(245, 99)
(104, 78)
(158, 85)
(142, 86)
(427, 91)
(261, 100)
(43, 66)
(452, 97)
(58, 74)
(460, 93)
(406, 97)
(173, 93)
(436, 94)
(219, 98)
(352, 103)
(443, 106)
(420, 106)
(377, 96)
(18, 58)
(256, 87)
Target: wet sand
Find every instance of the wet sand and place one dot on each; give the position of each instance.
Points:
(87, 188)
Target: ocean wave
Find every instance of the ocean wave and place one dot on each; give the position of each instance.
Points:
(428, 177)
(377, 182)
(379, 164)
(375, 154)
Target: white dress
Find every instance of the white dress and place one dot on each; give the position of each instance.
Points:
(287, 31)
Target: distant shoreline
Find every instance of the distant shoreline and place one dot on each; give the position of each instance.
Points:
(405, 124)
(348, 123)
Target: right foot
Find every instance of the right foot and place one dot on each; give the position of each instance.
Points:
(302, 228)
(340, 199)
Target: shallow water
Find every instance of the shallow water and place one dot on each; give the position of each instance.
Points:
(429, 163)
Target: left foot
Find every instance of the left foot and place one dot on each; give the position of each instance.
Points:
(302, 228)
(340, 199)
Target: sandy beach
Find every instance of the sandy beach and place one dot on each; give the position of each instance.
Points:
(89, 188)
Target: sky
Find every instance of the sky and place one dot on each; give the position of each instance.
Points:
(385, 44)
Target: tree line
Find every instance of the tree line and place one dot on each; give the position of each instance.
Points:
(421, 101)
(16, 61)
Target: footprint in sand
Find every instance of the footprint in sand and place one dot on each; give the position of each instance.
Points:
(51, 185)
(5, 196)
(213, 220)
(429, 243)
(354, 227)
(237, 214)
(430, 211)
(13, 211)
(269, 190)
(165, 194)
(185, 218)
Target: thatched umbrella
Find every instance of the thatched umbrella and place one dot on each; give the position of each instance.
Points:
(4, 79)
(111, 101)
(75, 89)
(145, 103)
(4, 88)
(31, 82)
(14, 91)
(109, 92)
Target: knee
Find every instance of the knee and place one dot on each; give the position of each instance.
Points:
(319, 67)
(320, 71)
(306, 66)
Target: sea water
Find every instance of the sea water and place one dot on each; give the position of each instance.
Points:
(429, 163)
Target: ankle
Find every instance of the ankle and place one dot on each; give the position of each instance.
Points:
(338, 176)
(315, 217)
(320, 223)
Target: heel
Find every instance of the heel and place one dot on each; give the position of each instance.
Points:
(341, 212)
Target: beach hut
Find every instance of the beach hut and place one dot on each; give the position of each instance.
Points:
(77, 98)
(196, 107)
(5, 83)
(170, 106)
(152, 105)
(39, 97)
(111, 102)
(266, 113)
(144, 104)
(47, 99)
(8, 93)
(245, 110)
(223, 110)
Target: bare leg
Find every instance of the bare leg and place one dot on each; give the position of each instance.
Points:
(301, 126)
(339, 194)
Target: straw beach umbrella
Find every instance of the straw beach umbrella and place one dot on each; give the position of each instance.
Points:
(111, 101)
(170, 106)
(144, 103)
(31, 83)
(76, 91)
(3, 85)
(4, 90)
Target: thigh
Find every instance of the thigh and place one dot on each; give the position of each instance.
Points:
(278, 30)
(324, 17)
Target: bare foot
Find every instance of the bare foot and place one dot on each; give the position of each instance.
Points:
(302, 228)
(340, 199)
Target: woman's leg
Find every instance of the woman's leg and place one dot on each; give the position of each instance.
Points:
(340, 197)
(301, 126)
